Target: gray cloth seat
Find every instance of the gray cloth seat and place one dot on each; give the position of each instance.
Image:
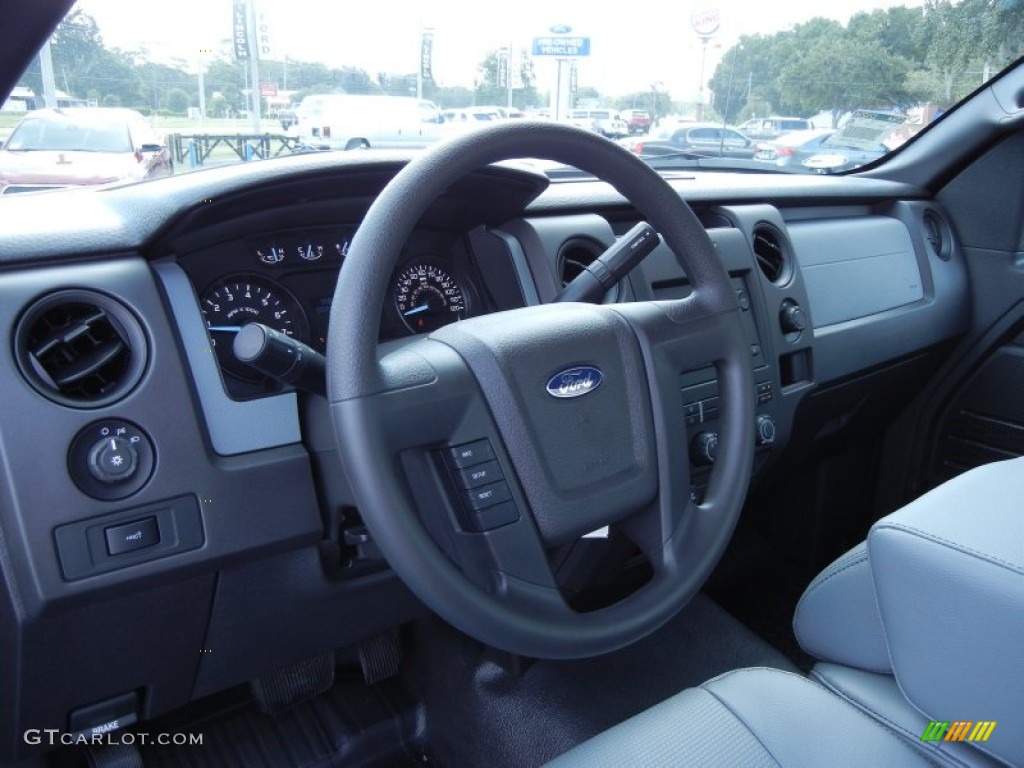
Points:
(924, 622)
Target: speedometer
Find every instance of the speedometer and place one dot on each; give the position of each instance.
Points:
(427, 297)
(241, 299)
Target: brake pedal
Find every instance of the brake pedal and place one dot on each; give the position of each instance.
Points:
(293, 684)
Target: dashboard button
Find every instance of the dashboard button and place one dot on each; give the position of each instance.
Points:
(479, 474)
(487, 495)
(468, 454)
(131, 536)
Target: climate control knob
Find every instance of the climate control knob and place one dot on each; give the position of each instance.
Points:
(704, 449)
(765, 430)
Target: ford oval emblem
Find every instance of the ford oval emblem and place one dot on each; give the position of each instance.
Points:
(575, 382)
(561, 29)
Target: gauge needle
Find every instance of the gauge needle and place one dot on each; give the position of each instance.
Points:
(228, 328)
(416, 310)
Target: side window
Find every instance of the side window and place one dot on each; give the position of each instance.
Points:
(705, 134)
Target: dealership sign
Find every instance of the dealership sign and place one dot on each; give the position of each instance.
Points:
(563, 47)
(240, 30)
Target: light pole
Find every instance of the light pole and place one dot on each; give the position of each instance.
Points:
(700, 88)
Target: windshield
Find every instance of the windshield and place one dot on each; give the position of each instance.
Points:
(286, 76)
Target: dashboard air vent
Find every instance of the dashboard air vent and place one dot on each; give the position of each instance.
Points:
(80, 348)
(772, 252)
(937, 235)
(576, 255)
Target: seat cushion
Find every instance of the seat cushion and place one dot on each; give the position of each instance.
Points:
(881, 698)
(752, 718)
(948, 570)
(837, 617)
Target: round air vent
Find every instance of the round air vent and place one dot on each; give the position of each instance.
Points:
(80, 348)
(772, 251)
(937, 234)
(576, 255)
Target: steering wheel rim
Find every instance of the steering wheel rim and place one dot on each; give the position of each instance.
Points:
(459, 375)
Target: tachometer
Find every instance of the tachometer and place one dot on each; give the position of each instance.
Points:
(240, 299)
(427, 297)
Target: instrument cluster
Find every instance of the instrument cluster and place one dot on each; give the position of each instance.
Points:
(285, 280)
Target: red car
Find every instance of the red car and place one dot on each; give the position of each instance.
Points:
(52, 148)
(638, 120)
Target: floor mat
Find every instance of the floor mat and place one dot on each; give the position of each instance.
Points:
(350, 726)
(481, 710)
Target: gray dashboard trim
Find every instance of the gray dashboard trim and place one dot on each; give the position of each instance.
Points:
(521, 266)
(234, 427)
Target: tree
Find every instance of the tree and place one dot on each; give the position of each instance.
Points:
(747, 78)
(177, 101)
(840, 74)
(489, 86)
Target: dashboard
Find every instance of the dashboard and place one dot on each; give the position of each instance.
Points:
(192, 503)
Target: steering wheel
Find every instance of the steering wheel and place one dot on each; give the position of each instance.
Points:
(578, 404)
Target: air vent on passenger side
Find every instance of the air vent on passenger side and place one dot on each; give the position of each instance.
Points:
(937, 234)
(576, 255)
(80, 348)
(772, 252)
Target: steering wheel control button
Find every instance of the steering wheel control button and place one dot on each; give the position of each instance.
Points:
(479, 474)
(132, 536)
(492, 517)
(487, 495)
(468, 454)
(110, 459)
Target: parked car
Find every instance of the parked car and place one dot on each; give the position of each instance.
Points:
(700, 139)
(790, 149)
(638, 121)
(774, 126)
(602, 121)
(80, 146)
(471, 115)
(344, 121)
(861, 139)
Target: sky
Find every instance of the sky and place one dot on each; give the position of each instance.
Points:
(634, 46)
